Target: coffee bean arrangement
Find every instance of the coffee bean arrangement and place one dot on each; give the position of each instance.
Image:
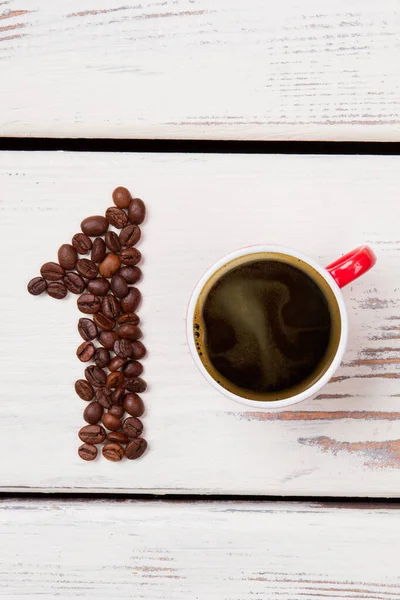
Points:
(100, 266)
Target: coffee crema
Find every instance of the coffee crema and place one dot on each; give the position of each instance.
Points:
(266, 326)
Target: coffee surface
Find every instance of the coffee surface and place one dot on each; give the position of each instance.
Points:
(266, 326)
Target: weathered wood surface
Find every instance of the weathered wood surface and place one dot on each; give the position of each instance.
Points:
(345, 442)
(200, 69)
(231, 551)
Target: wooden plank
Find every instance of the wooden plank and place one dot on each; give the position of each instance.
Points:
(200, 69)
(235, 551)
(345, 442)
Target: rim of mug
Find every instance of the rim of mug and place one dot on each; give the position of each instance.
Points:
(323, 380)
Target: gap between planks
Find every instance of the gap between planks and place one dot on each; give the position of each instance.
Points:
(317, 502)
(203, 146)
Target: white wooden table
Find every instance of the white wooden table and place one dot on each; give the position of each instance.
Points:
(193, 69)
(201, 69)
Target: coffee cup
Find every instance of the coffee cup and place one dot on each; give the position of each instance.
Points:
(267, 326)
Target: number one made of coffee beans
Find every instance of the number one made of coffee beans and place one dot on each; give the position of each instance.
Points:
(100, 266)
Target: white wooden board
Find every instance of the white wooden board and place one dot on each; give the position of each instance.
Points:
(209, 551)
(346, 442)
(201, 69)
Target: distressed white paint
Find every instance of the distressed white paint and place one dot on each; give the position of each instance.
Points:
(235, 551)
(200, 208)
(200, 69)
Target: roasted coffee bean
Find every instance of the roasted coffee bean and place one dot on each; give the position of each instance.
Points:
(94, 225)
(93, 413)
(130, 235)
(67, 256)
(131, 318)
(84, 390)
(92, 434)
(113, 452)
(111, 421)
(103, 322)
(117, 410)
(108, 339)
(74, 282)
(98, 251)
(132, 427)
(138, 350)
(112, 242)
(118, 437)
(129, 332)
(110, 306)
(118, 395)
(131, 302)
(119, 286)
(88, 304)
(130, 256)
(85, 351)
(95, 376)
(102, 358)
(52, 271)
(136, 448)
(117, 217)
(87, 329)
(56, 289)
(136, 385)
(130, 274)
(98, 286)
(87, 268)
(87, 451)
(110, 265)
(37, 286)
(82, 243)
(103, 396)
(133, 368)
(121, 197)
(116, 363)
(123, 348)
(115, 379)
(136, 211)
(133, 404)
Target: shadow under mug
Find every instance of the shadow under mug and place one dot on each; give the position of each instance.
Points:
(330, 281)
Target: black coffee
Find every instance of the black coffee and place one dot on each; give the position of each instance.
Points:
(264, 326)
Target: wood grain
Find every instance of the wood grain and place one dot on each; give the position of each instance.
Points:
(344, 442)
(179, 550)
(200, 69)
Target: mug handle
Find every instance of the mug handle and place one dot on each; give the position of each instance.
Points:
(349, 267)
